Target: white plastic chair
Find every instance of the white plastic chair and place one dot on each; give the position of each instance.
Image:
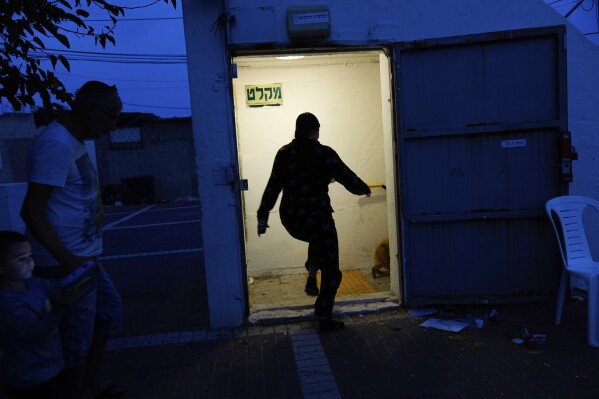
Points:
(565, 214)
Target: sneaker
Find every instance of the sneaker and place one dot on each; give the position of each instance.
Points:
(311, 287)
(330, 325)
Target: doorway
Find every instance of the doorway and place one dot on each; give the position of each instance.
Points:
(350, 93)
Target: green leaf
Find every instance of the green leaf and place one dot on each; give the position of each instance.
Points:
(28, 29)
(82, 13)
(26, 78)
(65, 62)
(75, 19)
(66, 4)
(25, 47)
(62, 39)
(14, 103)
(40, 28)
(34, 66)
(13, 29)
(38, 41)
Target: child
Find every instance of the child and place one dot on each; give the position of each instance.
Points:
(32, 353)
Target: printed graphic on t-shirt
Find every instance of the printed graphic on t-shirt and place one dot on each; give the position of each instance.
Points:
(92, 229)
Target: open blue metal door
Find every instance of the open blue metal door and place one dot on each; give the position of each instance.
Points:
(478, 132)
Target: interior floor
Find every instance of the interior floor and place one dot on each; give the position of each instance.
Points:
(288, 290)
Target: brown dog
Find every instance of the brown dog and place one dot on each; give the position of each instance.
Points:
(381, 259)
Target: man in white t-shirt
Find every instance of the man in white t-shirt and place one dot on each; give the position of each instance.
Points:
(64, 217)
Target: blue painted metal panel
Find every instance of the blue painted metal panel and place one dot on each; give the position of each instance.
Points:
(481, 173)
(485, 83)
(479, 121)
(481, 260)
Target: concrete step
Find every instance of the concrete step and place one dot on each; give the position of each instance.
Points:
(344, 307)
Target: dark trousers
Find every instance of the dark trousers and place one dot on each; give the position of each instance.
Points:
(323, 252)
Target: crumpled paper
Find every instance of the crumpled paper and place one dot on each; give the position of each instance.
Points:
(445, 325)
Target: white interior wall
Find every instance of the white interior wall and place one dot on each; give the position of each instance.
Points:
(344, 92)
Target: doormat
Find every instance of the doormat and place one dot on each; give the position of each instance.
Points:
(353, 283)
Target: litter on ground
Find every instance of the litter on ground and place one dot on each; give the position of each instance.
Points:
(445, 325)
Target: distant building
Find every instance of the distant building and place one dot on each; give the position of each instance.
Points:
(17, 131)
(146, 159)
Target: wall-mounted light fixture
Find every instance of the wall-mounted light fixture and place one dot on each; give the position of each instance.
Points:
(289, 57)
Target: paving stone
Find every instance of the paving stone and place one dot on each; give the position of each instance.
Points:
(167, 350)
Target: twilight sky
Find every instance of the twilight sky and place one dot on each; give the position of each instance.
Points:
(152, 74)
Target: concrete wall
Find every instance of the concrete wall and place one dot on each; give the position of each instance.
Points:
(13, 156)
(167, 154)
(16, 125)
(354, 23)
(216, 150)
(16, 135)
(11, 199)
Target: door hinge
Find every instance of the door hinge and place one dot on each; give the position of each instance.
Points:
(224, 175)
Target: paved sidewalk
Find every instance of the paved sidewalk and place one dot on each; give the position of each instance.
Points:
(385, 355)
(167, 349)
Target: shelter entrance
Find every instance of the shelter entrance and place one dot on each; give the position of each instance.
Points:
(351, 95)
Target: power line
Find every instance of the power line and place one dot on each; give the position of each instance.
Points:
(143, 6)
(117, 58)
(573, 8)
(155, 106)
(116, 61)
(119, 79)
(134, 19)
(64, 52)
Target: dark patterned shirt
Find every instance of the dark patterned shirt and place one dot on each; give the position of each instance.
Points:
(303, 170)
